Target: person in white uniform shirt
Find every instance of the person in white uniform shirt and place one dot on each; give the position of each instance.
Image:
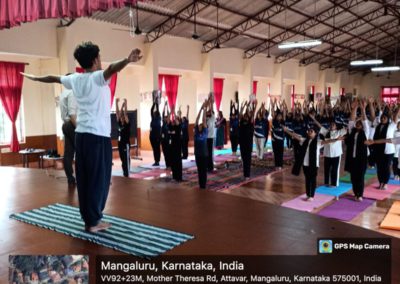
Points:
(211, 133)
(385, 152)
(396, 141)
(309, 157)
(68, 111)
(93, 142)
(332, 152)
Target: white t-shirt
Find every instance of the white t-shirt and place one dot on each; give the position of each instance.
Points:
(397, 146)
(211, 126)
(67, 105)
(307, 156)
(93, 97)
(333, 150)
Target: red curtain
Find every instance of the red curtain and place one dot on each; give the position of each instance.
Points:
(218, 89)
(10, 95)
(112, 84)
(15, 12)
(255, 87)
(171, 88)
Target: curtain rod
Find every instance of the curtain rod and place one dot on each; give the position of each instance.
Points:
(25, 63)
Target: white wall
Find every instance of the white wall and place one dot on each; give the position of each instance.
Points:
(34, 39)
(178, 53)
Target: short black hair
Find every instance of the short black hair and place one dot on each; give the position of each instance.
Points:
(86, 53)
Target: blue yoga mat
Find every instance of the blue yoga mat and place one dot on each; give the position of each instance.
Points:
(395, 182)
(124, 235)
(335, 191)
(371, 171)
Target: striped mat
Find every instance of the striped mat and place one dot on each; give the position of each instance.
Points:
(124, 235)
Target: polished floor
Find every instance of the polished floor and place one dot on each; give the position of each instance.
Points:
(223, 224)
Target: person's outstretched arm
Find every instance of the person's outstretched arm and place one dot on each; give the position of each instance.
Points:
(43, 79)
(117, 66)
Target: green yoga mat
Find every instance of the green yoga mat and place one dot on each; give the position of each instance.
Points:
(346, 178)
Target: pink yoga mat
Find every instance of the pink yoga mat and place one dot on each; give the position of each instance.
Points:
(346, 208)
(374, 193)
(300, 203)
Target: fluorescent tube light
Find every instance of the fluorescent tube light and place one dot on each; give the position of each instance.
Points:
(385, 68)
(366, 62)
(305, 43)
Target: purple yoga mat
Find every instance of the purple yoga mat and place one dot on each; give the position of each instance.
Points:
(377, 194)
(346, 208)
(300, 203)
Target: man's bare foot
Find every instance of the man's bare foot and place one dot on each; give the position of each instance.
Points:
(99, 227)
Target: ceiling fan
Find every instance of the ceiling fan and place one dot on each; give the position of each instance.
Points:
(134, 30)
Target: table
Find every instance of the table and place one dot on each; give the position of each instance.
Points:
(30, 152)
(54, 159)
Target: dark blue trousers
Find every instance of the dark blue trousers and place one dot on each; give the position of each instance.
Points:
(93, 173)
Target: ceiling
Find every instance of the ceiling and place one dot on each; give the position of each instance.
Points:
(349, 29)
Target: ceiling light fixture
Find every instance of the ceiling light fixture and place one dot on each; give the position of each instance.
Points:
(385, 68)
(296, 44)
(366, 62)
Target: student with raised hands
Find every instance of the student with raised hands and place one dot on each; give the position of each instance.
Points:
(277, 134)
(155, 132)
(357, 150)
(246, 129)
(234, 127)
(260, 131)
(185, 134)
(211, 132)
(175, 132)
(200, 145)
(124, 133)
(165, 138)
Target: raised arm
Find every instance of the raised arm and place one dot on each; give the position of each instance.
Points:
(354, 106)
(124, 110)
(118, 113)
(187, 112)
(396, 114)
(199, 113)
(117, 66)
(371, 109)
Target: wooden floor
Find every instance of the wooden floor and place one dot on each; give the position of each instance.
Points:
(223, 224)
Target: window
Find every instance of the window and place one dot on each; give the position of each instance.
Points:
(5, 125)
(390, 94)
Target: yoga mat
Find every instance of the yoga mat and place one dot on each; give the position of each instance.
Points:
(124, 235)
(185, 165)
(371, 171)
(346, 209)
(225, 178)
(394, 182)
(392, 218)
(373, 193)
(334, 191)
(346, 178)
(300, 203)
